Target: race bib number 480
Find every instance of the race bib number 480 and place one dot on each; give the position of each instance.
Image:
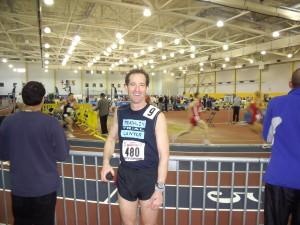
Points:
(133, 150)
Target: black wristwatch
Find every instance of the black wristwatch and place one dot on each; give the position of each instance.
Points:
(160, 186)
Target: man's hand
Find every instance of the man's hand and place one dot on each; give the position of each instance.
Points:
(156, 200)
(105, 170)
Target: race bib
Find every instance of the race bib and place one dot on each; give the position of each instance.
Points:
(133, 150)
(69, 110)
(151, 112)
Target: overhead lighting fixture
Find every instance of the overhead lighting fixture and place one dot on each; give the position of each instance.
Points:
(109, 49)
(224, 65)
(94, 60)
(48, 2)
(46, 67)
(125, 60)
(263, 52)
(201, 63)
(147, 12)
(172, 54)
(193, 48)
(116, 63)
(70, 51)
(201, 69)
(176, 41)
(165, 71)
(290, 55)
(150, 49)
(163, 57)
(15, 70)
(114, 46)
(152, 66)
(180, 68)
(121, 42)
(172, 74)
(227, 59)
(151, 61)
(47, 30)
(46, 62)
(4, 60)
(159, 44)
(276, 34)
(251, 61)
(225, 47)
(109, 68)
(152, 73)
(46, 71)
(97, 57)
(77, 38)
(10, 66)
(79, 67)
(220, 23)
(74, 43)
(145, 63)
(142, 52)
(103, 72)
(75, 71)
(192, 56)
(140, 65)
(47, 45)
(135, 55)
(134, 66)
(119, 35)
(181, 51)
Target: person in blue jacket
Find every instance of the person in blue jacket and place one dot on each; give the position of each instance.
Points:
(33, 142)
(282, 129)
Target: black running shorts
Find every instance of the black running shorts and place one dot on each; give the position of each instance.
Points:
(136, 184)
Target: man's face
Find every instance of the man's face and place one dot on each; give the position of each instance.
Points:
(137, 88)
(71, 97)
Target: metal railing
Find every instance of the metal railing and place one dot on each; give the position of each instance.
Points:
(199, 190)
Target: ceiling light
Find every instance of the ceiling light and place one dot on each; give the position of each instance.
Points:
(225, 47)
(180, 67)
(46, 62)
(47, 45)
(121, 42)
(79, 67)
(172, 74)
(46, 67)
(4, 60)
(220, 23)
(72, 47)
(142, 52)
(192, 56)
(176, 41)
(227, 59)
(201, 63)
(290, 55)
(70, 51)
(46, 70)
(77, 38)
(135, 55)
(224, 65)
(48, 2)
(150, 49)
(15, 70)
(201, 69)
(125, 60)
(145, 63)
(251, 61)
(121, 62)
(172, 54)
(165, 71)
(119, 35)
(152, 73)
(151, 61)
(46, 55)
(47, 30)
(75, 71)
(159, 44)
(109, 68)
(134, 66)
(193, 48)
(89, 64)
(108, 49)
(147, 12)
(163, 57)
(116, 63)
(103, 72)
(275, 34)
(140, 65)
(74, 43)
(263, 52)
(97, 57)
(94, 60)
(92, 72)
(181, 51)
(112, 65)
(114, 46)
(152, 66)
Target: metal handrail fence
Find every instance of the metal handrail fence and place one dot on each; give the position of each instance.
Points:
(200, 190)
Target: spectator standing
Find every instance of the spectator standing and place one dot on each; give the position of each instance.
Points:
(103, 108)
(33, 142)
(282, 177)
(144, 150)
(237, 101)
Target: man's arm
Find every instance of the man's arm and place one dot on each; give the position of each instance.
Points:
(109, 148)
(267, 122)
(162, 140)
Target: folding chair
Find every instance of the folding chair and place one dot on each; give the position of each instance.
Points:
(209, 120)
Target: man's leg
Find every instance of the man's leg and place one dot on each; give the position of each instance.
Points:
(103, 122)
(149, 216)
(278, 204)
(296, 209)
(22, 210)
(44, 208)
(237, 114)
(128, 211)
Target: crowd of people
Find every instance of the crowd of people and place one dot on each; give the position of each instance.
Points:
(33, 142)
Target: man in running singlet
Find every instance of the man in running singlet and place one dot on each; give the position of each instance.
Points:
(144, 153)
(194, 112)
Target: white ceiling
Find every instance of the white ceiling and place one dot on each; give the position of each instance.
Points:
(247, 30)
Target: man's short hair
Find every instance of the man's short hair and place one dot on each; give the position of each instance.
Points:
(196, 94)
(70, 94)
(134, 71)
(296, 78)
(33, 93)
(102, 95)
